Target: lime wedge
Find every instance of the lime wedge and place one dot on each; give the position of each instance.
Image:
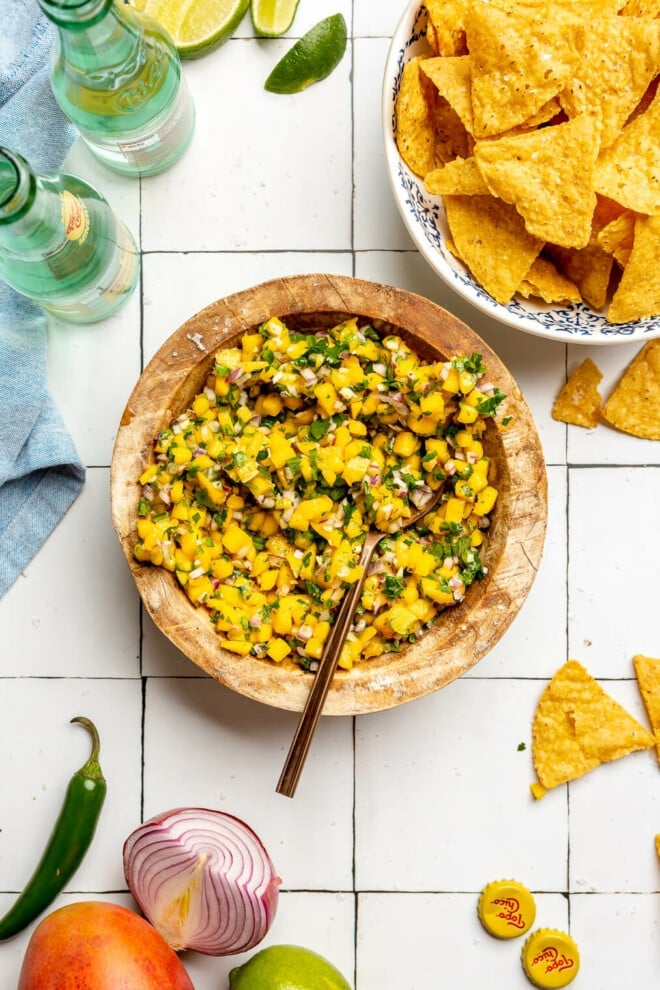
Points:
(195, 26)
(312, 58)
(271, 18)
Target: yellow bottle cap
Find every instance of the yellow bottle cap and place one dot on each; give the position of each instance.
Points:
(506, 909)
(550, 958)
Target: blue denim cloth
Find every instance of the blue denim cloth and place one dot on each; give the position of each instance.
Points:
(40, 471)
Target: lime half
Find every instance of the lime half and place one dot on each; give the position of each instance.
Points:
(287, 967)
(196, 26)
(312, 58)
(271, 18)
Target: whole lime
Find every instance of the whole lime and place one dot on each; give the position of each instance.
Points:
(287, 967)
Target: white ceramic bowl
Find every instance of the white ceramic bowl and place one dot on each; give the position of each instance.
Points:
(424, 217)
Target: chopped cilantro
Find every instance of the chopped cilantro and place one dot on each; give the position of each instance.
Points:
(488, 406)
(393, 587)
(318, 428)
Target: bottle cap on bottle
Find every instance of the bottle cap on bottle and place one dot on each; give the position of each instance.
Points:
(506, 908)
(550, 958)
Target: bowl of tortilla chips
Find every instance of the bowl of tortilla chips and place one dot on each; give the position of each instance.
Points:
(522, 142)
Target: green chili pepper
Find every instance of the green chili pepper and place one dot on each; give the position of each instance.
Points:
(68, 843)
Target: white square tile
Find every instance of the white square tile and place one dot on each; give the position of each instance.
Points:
(449, 790)
(277, 177)
(377, 19)
(160, 657)
(377, 223)
(618, 940)
(74, 611)
(535, 643)
(615, 815)
(612, 574)
(306, 16)
(237, 769)
(321, 922)
(91, 373)
(42, 751)
(603, 444)
(177, 286)
(421, 940)
(536, 365)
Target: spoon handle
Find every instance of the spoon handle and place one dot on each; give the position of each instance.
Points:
(324, 674)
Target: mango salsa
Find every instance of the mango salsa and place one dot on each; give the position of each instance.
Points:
(258, 497)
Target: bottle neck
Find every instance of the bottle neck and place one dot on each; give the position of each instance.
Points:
(17, 187)
(30, 209)
(76, 15)
(89, 30)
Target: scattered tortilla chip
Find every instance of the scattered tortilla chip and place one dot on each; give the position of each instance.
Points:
(577, 726)
(521, 168)
(634, 405)
(415, 123)
(460, 177)
(638, 294)
(490, 237)
(451, 77)
(579, 400)
(629, 170)
(446, 26)
(543, 281)
(521, 58)
(657, 844)
(618, 236)
(619, 59)
(647, 671)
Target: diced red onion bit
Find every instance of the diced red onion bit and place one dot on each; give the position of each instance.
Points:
(203, 879)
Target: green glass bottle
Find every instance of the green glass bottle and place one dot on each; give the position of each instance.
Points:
(61, 244)
(116, 74)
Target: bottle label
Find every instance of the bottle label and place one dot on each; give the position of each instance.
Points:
(125, 274)
(162, 141)
(75, 217)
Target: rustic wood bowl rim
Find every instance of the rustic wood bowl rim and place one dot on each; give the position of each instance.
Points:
(463, 634)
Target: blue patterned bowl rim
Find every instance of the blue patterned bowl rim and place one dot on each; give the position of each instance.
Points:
(424, 218)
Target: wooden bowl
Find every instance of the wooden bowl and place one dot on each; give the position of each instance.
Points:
(462, 634)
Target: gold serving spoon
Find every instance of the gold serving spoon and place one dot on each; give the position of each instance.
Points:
(327, 665)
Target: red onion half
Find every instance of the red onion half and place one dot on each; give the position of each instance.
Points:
(203, 879)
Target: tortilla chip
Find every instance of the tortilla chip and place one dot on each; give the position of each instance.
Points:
(647, 671)
(634, 405)
(490, 237)
(577, 726)
(415, 122)
(638, 294)
(451, 77)
(657, 844)
(589, 268)
(521, 168)
(578, 403)
(618, 236)
(629, 170)
(451, 138)
(620, 58)
(447, 26)
(543, 281)
(521, 59)
(642, 8)
(460, 177)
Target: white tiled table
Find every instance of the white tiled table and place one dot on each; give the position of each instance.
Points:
(401, 817)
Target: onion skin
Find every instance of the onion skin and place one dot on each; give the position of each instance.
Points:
(203, 879)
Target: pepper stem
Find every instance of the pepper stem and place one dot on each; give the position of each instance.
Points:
(92, 768)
